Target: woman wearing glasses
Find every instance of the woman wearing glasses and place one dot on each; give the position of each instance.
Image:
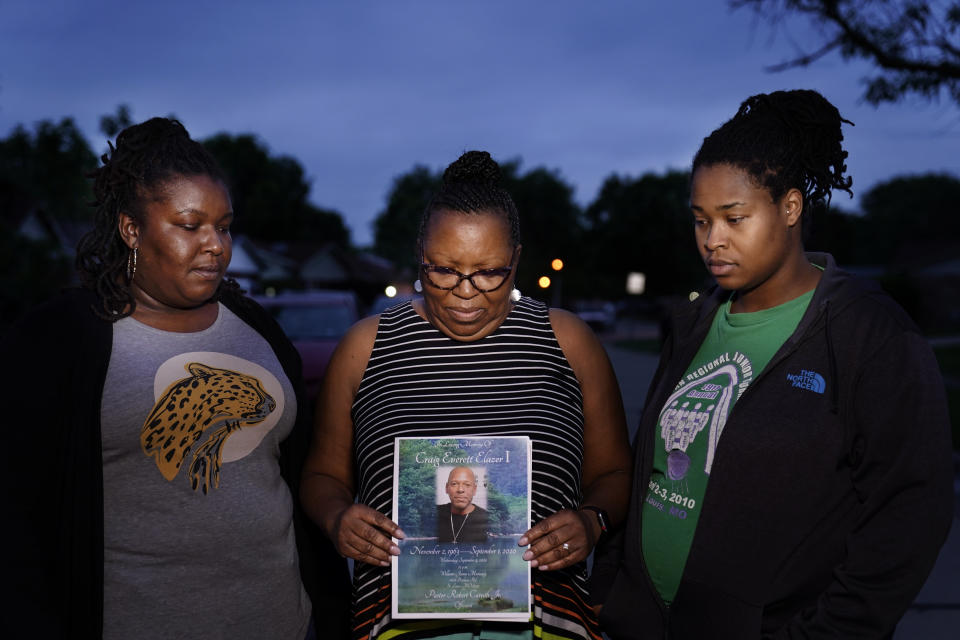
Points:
(471, 358)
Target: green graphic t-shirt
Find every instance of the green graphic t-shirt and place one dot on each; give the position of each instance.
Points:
(736, 349)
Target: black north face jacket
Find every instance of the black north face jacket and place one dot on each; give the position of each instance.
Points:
(831, 491)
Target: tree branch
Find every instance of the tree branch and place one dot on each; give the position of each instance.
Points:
(912, 44)
(899, 63)
(807, 59)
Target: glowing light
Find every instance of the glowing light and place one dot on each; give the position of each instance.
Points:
(544, 282)
(557, 264)
(390, 291)
(636, 283)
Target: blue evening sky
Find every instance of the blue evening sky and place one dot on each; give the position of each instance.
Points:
(361, 91)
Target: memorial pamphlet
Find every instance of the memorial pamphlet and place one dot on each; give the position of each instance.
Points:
(463, 503)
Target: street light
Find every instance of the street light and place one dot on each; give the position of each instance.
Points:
(544, 282)
(636, 283)
(557, 265)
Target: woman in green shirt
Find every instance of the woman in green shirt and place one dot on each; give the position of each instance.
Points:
(793, 463)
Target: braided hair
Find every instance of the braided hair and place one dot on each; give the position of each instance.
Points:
(146, 157)
(471, 185)
(784, 140)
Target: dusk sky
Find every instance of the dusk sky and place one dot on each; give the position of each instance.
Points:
(360, 92)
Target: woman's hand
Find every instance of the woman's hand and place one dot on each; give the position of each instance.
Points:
(366, 535)
(561, 540)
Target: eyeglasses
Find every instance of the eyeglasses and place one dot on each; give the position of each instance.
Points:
(483, 280)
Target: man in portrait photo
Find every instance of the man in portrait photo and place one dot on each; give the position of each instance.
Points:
(460, 520)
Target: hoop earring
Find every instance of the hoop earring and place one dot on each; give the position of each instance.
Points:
(515, 295)
(131, 264)
(417, 286)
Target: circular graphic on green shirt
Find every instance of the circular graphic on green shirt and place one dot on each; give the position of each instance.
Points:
(678, 463)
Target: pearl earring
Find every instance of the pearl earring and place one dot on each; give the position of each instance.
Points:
(417, 286)
(515, 295)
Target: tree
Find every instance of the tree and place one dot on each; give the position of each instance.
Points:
(395, 228)
(643, 224)
(416, 487)
(550, 224)
(907, 226)
(270, 194)
(42, 173)
(915, 44)
(840, 234)
(908, 218)
(111, 125)
(30, 272)
(47, 170)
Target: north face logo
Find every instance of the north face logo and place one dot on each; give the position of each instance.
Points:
(809, 380)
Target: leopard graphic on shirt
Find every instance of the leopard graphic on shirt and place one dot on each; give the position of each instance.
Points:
(211, 403)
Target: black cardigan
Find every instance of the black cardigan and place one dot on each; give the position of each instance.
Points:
(825, 511)
(55, 363)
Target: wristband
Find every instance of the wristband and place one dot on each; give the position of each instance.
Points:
(602, 518)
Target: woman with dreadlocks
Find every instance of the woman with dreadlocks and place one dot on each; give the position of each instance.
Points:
(472, 358)
(159, 428)
(793, 461)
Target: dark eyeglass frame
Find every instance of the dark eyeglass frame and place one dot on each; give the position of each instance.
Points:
(428, 268)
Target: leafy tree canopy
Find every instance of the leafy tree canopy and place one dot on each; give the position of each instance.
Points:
(911, 214)
(840, 234)
(40, 171)
(915, 44)
(395, 228)
(111, 125)
(550, 224)
(270, 194)
(643, 224)
(46, 169)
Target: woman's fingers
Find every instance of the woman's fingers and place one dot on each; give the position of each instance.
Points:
(367, 535)
(557, 542)
(563, 555)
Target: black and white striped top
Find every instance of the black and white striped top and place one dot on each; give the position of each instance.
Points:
(515, 381)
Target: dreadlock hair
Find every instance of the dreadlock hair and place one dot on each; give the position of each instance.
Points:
(784, 140)
(471, 185)
(146, 157)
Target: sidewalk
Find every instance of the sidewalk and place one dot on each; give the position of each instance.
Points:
(935, 615)
(936, 612)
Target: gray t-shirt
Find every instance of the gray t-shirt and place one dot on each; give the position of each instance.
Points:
(198, 531)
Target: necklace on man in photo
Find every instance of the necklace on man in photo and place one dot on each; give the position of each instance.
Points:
(457, 531)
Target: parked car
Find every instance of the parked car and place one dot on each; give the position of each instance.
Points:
(314, 321)
(381, 303)
(600, 315)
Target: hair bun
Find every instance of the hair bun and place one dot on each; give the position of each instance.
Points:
(474, 167)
